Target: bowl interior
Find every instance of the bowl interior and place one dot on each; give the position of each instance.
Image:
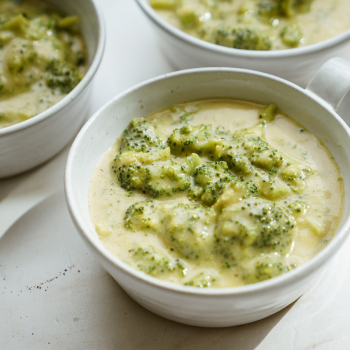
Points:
(108, 123)
(162, 23)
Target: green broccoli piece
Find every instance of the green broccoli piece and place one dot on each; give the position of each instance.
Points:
(193, 139)
(287, 7)
(187, 229)
(269, 113)
(141, 137)
(291, 35)
(61, 76)
(304, 5)
(203, 280)
(18, 24)
(163, 4)
(210, 180)
(242, 38)
(188, 16)
(247, 152)
(256, 224)
(154, 263)
(268, 8)
(142, 216)
(154, 173)
(264, 268)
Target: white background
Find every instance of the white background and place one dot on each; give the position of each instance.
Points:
(54, 295)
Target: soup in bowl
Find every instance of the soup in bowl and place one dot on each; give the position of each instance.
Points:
(51, 53)
(188, 231)
(244, 43)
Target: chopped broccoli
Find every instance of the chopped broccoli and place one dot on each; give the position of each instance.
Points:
(61, 76)
(154, 173)
(291, 35)
(265, 268)
(269, 113)
(287, 8)
(18, 24)
(293, 176)
(187, 228)
(203, 280)
(163, 4)
(242, 38)
(247, 152)
(193, 139)
(142, 216)
(141, 137)
(210, 179)
(188, 16)
(18, 56)
(153, 262)
(257, 224)
(268, 8)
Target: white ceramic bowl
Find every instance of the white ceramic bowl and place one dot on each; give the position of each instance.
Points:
(32, 142)
(297, 65)
(190, 305)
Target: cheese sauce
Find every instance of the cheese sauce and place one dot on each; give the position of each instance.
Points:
(42, 58)
(216, 193)
(257, 24)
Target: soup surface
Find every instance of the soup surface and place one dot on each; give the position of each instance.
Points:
(216, 193)
(42, 58)
(257, 24)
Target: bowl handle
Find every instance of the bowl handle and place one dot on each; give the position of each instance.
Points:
(331, 82)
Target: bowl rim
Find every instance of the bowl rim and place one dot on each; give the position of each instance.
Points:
(72, 95)
(261, 54)
(299, 273)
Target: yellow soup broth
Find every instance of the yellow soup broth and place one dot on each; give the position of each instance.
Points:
(257, 24)
(216, 193)
(42, 58)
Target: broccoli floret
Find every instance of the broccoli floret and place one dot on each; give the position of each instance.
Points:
(153, 262)
(269, 113)
(142, 216)
(242, 38)
(247, 152)
(61, 76)
(203, 280)
(210, 180)
(188, 16)
(193, 139)
(287, 8)
(18, 24)
(264, 268)
(291, 35)
(304, 5)
(258, 225)
(141, 137)
(268, 8)
(187, 228)
(154, 173)
(298, 207)
(163, 4)
(293, 176)
(20, 54)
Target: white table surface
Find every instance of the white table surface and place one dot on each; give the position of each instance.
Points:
(54, 295)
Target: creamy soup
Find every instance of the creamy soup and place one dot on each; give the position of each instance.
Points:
(257, 24)
(216, 193)
(42, 58)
